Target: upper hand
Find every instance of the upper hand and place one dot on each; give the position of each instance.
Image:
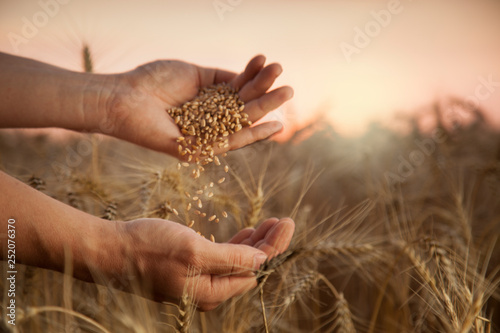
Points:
(137, 112)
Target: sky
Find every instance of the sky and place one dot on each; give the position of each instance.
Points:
(356, 62)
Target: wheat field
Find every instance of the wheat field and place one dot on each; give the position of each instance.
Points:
(394, 232)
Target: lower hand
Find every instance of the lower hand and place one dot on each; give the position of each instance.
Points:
(164, 251)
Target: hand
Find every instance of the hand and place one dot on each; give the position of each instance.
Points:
(163, 251)
(137, 112)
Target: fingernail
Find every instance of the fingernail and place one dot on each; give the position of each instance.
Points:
(280, 70)
(276, 127)
(258, 260)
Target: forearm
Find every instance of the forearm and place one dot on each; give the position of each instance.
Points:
(36, 94)
(46, 230)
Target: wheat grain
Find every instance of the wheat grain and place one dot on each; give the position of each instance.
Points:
(300, 286)
(73, 200)
(343, 317)
(88, 64)
(205, 122)
(439, 293)
(256, 203)
(110, 212)
(37, 183)
(163, 210)
(187, 306)
(327, 249)
(214, 113)
(473, 313)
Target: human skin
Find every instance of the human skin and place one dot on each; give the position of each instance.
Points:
(132, 106)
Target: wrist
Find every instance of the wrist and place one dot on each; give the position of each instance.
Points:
(98, 94)
(94, 247)
(101, 251)
(35, 94)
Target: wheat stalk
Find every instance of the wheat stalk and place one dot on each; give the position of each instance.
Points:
(429, 279)
(187, 303)
(110, 212)
(408, 257)
(87, 63)
(34, 311)
(343, 317)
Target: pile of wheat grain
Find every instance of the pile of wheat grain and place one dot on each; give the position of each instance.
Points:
(206, 122)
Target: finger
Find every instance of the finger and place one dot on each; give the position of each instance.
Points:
(278, 238)
(261, 83)
(262, 230)
(213, 290)
(246, 136)
(225, 260)
(250, 135)
(223, 76)
(241, 236)
(230, 259)
(258, 108)
(208, 76)
(251, 70)
(231, 286)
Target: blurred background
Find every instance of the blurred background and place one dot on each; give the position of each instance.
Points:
(353, 62)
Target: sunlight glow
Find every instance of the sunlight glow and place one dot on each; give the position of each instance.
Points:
(425, 53)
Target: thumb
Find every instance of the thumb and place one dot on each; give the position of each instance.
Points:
(232, 259)
(230, 270)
